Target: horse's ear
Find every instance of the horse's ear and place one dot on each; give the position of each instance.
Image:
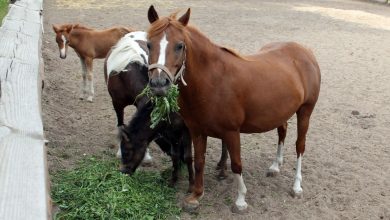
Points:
(152, 14)
(123, 134)
(185, 18)
(69, 28)
(55, 28)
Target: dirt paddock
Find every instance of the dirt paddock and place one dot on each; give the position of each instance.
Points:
(346, 166)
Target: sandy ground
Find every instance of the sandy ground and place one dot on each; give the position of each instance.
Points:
(346, 167)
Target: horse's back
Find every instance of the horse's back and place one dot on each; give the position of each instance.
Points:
(299, 59)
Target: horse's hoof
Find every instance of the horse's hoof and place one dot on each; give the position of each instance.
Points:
(240, 209)
(221, 176)
(297, 194)
(191, 205)
(90, 99)
(272, 173)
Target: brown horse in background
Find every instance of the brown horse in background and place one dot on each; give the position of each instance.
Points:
(223, 93)
(89, 44)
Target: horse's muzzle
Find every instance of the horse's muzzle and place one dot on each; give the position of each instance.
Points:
(159, 85)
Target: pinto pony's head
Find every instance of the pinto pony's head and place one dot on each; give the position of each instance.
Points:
(62, 37)
(167, 50)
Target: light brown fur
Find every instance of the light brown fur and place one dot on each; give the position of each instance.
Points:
(228, 94)
(89, 44)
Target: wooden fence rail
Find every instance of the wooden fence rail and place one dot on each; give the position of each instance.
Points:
(23, 172)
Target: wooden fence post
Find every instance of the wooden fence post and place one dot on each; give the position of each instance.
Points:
(24, 189)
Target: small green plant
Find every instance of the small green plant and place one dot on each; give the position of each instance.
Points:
(97, 190)
(162, 106)
(3, 9)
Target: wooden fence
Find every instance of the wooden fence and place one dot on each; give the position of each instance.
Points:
(24, 189)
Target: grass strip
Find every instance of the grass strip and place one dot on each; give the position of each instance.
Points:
(97, 190)
(3, 9)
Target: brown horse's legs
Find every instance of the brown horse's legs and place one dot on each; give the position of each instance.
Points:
(90, 89)
(303, 117)
(221, 166)
(232, 139)
(274, 169)
(191, 203)
(84, 74)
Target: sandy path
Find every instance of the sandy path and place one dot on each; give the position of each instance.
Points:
(346, 167)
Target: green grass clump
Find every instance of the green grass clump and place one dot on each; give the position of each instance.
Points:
(3, 9)
(162, 106)
(97, 190)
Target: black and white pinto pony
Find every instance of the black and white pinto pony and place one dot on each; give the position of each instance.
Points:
(126, 73)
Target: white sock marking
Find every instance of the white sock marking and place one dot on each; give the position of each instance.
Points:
(163, 51)
(298, 176)
(63, 50)
(240, 202)
(278, 160)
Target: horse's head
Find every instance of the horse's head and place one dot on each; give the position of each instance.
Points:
(132, 153)
(62, 37)
(167, 50)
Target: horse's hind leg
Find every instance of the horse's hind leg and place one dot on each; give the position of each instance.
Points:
(274, 169)
(221, 166)
(303, 118)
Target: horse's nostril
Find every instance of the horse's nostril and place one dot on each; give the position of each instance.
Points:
(166, 83)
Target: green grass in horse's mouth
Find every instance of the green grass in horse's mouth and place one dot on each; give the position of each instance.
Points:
(162, 106)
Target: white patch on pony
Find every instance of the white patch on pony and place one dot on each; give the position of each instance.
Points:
(163, 51)
(278, 160)
(127, 50)
(63, 50)
(240, 202)
(298, 177)
(137, 35)
(147, 157)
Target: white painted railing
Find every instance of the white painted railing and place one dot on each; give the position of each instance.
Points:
(24, 189)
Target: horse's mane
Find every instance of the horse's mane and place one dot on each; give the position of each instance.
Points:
(161, 24)
(80, 26)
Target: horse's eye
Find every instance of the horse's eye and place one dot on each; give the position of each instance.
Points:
(149, 45)
(179, 46)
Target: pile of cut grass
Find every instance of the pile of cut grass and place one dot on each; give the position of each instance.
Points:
(3, 9)
(97, 190)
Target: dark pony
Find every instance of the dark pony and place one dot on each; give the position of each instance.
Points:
(172, 137)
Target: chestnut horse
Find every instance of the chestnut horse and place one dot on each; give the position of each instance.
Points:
(223, 93)
(89, 44)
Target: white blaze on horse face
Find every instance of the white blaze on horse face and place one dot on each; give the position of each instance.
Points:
(298, 177)
(240, 202)
(163, 51)
(63, 49)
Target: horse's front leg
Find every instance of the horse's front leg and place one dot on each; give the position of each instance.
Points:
(90, 89)
(191, 203)
(232, 139)
(84, 74)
